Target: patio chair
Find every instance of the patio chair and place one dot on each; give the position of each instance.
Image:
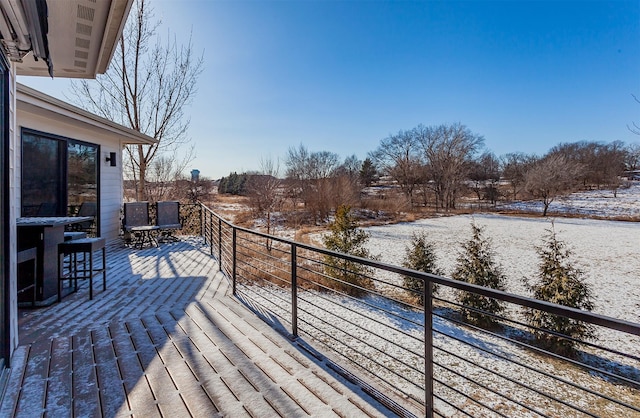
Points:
(136, 224)
(47, 209)
(168, 220)
(87, 209)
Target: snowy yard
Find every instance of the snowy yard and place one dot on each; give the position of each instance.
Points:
(608, 252)
(597, 203)
(519, 382)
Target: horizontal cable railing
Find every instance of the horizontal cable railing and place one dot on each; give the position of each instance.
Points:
(423, 352)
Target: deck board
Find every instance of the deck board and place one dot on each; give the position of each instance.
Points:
(166, 339)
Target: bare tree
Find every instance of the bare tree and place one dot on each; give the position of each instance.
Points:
(484, 175)
(310, 175)
(550, 177)
(448, 149)
(601, 164)
(197, 189)
(162, 174)
(147, 87)
(632, 157)
(263, 190)
(399, 157)
(345, 184)
(514, 169)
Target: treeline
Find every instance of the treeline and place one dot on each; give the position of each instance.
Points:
(433, 167)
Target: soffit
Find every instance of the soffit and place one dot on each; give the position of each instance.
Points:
(83, 35)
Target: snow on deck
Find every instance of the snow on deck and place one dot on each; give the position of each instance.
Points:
(166, 339)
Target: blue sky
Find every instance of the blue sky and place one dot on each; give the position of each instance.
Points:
(342, 75)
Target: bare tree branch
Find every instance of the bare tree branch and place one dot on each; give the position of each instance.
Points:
(147, 87)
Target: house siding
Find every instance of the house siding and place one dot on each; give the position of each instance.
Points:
(110, 177)
(14, 189)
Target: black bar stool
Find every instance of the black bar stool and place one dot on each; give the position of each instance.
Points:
(78, 267)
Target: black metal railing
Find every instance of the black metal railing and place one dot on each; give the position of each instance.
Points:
(415, 350)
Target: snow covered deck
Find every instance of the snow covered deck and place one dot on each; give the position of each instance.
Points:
(166, 339)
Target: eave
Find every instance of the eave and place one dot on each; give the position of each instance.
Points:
(36, 102)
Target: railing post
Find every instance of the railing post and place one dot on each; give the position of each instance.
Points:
(211, 234)
(294, 290)
(427, 294)
(233, 273)
(220, 243)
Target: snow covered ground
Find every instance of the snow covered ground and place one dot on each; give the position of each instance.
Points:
(608, 252)
(597, 203)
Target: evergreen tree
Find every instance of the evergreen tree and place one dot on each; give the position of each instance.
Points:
(368, 173)
(233, 184)
(475, 265)
(420, 256)
(562, 283)
(345, 237)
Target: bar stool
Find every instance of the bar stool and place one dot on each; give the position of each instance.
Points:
(74, 235)
(78, 267)
(30, 254)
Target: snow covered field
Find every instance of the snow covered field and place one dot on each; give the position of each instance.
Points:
(608, 252)
(597, 203)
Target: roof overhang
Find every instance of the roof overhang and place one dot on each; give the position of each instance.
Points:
(34, 101)
(76, 37)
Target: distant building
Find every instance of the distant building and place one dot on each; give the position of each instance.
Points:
(195, 175)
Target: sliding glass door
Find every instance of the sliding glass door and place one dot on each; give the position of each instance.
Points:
(59, 175)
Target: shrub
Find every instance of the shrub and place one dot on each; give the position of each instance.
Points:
(345, 237)
(558, 281)
(420, 256)
(475, 265)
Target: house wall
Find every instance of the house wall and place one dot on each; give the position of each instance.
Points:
(110, 177)
(14, 190)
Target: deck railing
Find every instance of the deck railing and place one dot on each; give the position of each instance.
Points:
(417, 352)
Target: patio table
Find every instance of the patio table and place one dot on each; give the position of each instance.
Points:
(45, 234)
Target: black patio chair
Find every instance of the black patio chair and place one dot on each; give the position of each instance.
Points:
(87, 209)
(47, 209)
(136, 224)
(168, 220)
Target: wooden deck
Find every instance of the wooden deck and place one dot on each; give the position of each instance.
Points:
(166, 339)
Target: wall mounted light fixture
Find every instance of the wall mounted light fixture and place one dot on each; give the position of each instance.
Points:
(111, 159)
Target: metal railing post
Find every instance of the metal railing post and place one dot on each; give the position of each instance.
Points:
(294, 290)
(233, 273)
(211, 233)
(428, 347)
(220, 243)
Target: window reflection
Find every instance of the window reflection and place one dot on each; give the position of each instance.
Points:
(59, 176)
(42, 177)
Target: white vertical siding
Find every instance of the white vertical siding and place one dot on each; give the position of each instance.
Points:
(14, 195)
(110, 177)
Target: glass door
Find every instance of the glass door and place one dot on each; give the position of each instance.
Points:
(59, 177)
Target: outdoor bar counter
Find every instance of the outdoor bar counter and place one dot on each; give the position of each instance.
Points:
(45, 234)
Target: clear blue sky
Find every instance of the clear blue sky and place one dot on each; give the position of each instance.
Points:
(341, 75)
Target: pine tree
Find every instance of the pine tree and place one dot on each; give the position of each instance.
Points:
(475, 265)
(420, 256)
(345, 237)
(562, 283)
(368, 173)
